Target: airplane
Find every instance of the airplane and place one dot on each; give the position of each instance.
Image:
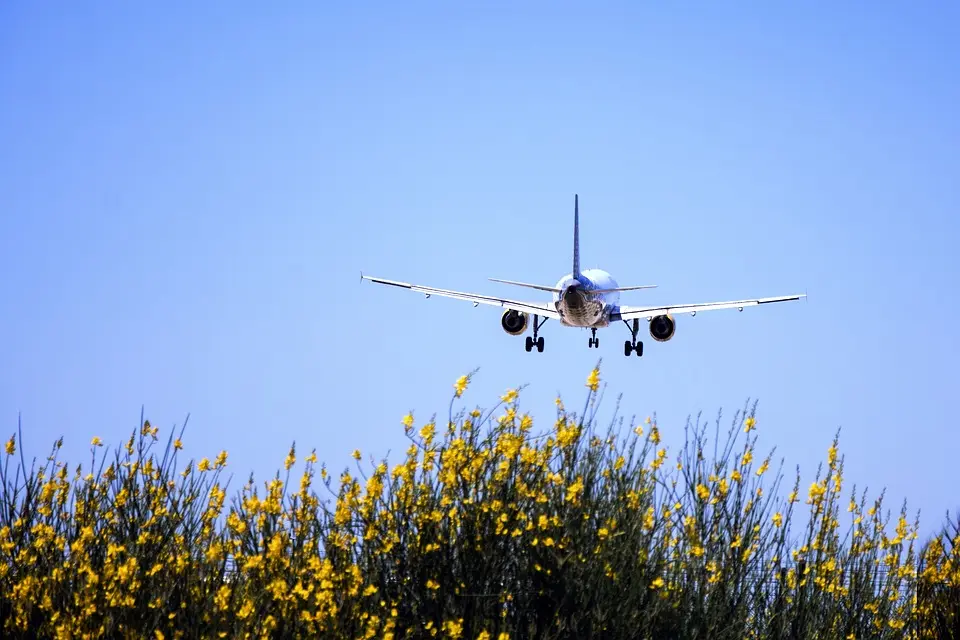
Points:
(588, 299)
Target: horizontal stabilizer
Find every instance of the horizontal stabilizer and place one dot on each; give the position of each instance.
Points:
(529, 286)
(556, 290)
(619, 289)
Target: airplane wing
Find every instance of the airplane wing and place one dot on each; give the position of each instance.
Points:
(544, 309)
(627, 313)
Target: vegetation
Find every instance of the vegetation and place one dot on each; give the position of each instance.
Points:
(487, 529)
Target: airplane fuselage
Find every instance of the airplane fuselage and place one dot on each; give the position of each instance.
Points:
(577, 303)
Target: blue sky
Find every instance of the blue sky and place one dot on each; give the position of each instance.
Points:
(190, 193)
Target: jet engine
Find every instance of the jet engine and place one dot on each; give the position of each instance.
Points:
(513, 322)
(662, 328)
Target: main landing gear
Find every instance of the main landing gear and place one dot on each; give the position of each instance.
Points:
(632, 345)
(594, 340)
(536, 341)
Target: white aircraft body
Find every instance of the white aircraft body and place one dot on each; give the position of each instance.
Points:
(589, 299)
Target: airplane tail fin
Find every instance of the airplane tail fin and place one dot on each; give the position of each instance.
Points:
(576, 236)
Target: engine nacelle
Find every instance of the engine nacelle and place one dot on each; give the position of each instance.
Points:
(514, 322)
(662, 328)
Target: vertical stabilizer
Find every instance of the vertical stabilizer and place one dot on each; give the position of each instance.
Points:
(576, 236)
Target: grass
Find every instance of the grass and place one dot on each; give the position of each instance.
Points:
(488, 528)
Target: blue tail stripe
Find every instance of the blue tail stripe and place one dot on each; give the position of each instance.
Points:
(576, 236)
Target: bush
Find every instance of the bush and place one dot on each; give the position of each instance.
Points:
(487, 529)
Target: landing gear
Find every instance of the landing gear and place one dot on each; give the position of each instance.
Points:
(594, 340)
(632, 346)
(536, 341)
(629, 347)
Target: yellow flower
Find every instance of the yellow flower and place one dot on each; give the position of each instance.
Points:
(97, 442)
(593, 380)
(407, 422)
(455, 629)
(204, 465)
(748, 424)
(702, 492)
(656, 584)
(573, 491)
(461, 385)
(11, 445)
(723, 486)
(509, 396)
(177, 444)
(763, 467)
(526, 422)
(291, 458)
(432, 584)
(221, 460)
(816, 493)
(312, 457)
(777, 519)
(427, 432)
(356, 454)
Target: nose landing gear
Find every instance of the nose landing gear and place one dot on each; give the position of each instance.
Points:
(594, 341)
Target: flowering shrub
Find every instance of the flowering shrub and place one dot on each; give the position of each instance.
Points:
(488, 528)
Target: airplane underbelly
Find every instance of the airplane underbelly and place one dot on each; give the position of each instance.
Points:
(577, 310)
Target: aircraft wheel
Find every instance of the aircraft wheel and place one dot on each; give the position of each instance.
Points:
(639, 349)
(529, 344)
(627, 348)
(540, 344)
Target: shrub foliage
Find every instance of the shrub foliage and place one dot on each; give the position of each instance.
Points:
(487, 528)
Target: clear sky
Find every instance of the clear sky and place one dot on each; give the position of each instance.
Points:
(189, 191)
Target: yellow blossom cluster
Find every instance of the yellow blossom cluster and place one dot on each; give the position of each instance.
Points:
(482, 529)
